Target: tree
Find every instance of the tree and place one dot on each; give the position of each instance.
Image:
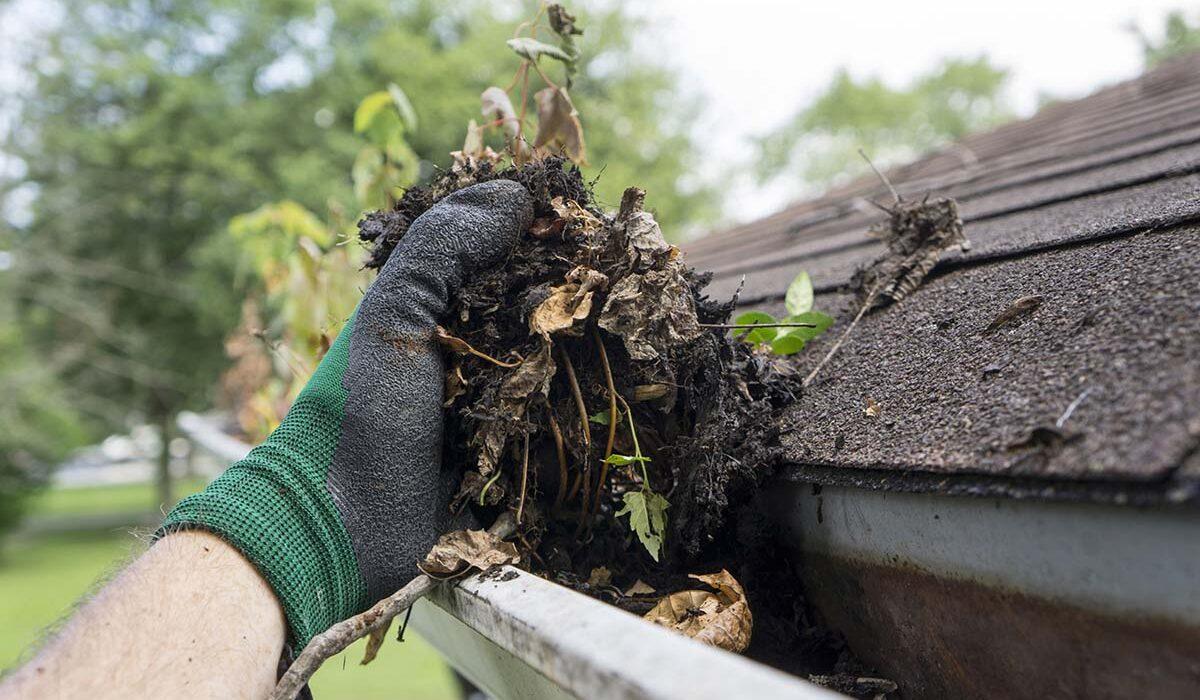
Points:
(38, 423)
(820, 143)
(1178, 37)
(148, 125)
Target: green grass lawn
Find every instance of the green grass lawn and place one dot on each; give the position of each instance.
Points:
(41, 577)
(97, 500)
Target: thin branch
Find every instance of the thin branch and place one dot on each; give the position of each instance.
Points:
(882, 177)
(587, 435)
(524, 478)
(612, 418)
(337, 638)
(562, 458)
(841, 339)
(739, 326)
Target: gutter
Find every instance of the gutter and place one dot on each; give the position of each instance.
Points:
(955, 596)
(519, 636)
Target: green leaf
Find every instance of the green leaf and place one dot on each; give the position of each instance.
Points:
(532, 49)
(799, 296)
(369, 110)
(821, 322)
(408, 115)
(760, 335)
(602, 418)
(647, 513)
(622, 460)
(788, 344)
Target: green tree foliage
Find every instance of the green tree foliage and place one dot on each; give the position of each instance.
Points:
(147, 126)
(38, 423)
(820, 143)
(1179, 36)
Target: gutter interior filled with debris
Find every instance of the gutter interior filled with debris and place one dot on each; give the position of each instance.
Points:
(596, 394)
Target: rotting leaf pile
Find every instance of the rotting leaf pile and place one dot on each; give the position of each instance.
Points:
(583, 390)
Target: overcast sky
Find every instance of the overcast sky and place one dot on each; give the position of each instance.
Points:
(756, 61)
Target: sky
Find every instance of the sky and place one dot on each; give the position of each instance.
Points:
(756, 62)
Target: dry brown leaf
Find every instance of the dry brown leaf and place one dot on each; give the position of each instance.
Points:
(374, 642)
(600, 576)
(558, 123)
(567, 305)
(652, 312)
(450, 342)
(579, 221)
(639, 587)
(496, 106)
(456, 383)
(645, 240)
(872, 410)
(457, 551)
(650, 392)
(546, 226)
(722, 619)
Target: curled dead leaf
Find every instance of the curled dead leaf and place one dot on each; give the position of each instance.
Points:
(578, 221)
(457, 551)
(872, 409)
(645, 240)
(496, 106)
(650, 392)
(639, 587)
(600, 576)
(652, 312)
(722, 619)
(558, 123)
(568, 305)
(456, 383)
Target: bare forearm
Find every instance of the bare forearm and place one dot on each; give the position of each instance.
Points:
(189, 618)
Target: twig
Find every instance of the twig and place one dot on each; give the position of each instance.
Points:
(587, 439)
(341, 635)
(562, 458)
(842, 338)
(335, 639)
(524, 478)
(738, 326)
(1066, 415)
(612, 418)
(457, 344)
(883, 177)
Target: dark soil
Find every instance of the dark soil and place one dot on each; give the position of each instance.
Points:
(702, 402)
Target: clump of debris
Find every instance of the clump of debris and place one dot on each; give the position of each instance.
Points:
(592, 388)
(594, 392)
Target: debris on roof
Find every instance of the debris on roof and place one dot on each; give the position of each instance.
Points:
(1059, 356)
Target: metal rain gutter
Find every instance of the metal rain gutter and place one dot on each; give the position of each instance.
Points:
(956, 596)
(517, 635)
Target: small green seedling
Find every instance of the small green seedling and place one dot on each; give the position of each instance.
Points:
(782, 339)
(647, 509)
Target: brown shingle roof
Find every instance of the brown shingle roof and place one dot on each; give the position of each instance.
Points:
(1093, 205)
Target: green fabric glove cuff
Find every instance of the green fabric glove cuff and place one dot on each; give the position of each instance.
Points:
(273, 506)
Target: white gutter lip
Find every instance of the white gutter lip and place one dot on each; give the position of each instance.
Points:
(590, 649)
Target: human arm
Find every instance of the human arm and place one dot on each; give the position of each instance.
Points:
(189, 618)
(334, 509)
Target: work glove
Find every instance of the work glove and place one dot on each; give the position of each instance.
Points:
(347, 494)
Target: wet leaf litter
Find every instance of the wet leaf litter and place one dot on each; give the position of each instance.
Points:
(594, 392)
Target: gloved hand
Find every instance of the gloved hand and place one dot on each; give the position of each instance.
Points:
(342, 500)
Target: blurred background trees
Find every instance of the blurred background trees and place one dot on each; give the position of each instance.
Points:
(146, 126)
(820, 144)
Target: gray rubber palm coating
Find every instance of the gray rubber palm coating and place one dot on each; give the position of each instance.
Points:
(386, 477)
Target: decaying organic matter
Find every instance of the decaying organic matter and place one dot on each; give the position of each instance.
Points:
(594, 392)
(581, 380)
